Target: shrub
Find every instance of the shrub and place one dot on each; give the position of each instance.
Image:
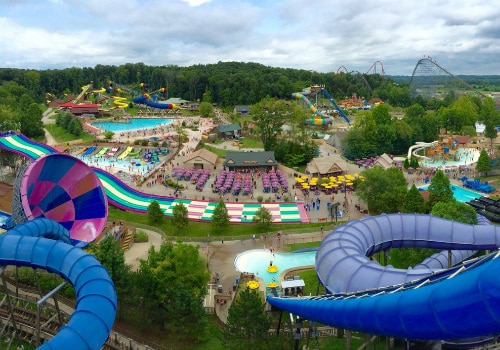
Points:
(141, 237)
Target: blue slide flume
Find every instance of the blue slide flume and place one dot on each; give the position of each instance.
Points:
(43, 243)
(426, 303)
(332, 101)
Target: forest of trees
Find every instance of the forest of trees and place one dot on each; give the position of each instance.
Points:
(230, 83)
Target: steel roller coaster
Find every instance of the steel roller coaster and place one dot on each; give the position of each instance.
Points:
(428, 77)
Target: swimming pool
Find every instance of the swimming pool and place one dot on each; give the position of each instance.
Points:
(4, 219)
(135, 166)
(135, 124)
(460, 194)
(257, 260)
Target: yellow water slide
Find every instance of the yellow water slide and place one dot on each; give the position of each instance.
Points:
(120, 102)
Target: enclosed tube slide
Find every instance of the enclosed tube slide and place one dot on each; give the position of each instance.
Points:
(144, 100)
(43, 243)
(322, 120)
(445, 310)
(342, 261)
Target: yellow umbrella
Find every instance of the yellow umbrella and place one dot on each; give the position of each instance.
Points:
(298, 179)
(305, 186)
(304, 176)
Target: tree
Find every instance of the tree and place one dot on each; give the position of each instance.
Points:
(75, 127)
(181, 134)
(220, 218)
(489, 116)
(382, 190)
(155, 214)
(112, 257)
(269, 115)
(171, 285)
(108, 135)
(180, 220)
(439, 190)
(206, 109)
(414, 202)
(247, 323)
(381, 114)
(455, 210)
(30, 118)
(263, 219)
(483, 162)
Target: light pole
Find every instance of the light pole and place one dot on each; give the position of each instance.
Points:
(208, 245)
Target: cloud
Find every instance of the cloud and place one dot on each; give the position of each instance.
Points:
(321, 36)
(195, 3)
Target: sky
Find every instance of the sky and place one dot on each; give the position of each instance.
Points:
(462, 36)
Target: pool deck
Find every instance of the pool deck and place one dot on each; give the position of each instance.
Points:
(221, 260)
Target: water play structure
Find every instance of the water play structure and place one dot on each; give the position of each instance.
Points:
(320, 118)
(418, 147)
(125, 197)
(427, 302)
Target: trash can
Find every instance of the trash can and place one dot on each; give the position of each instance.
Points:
(220, 289)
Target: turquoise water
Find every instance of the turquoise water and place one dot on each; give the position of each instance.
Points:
(257, 261)
(113, 164)
(135, 124)
(460, 194)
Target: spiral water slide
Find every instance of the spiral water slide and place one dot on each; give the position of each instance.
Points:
(44, 244)
(427, 302)
(322, 120)
(65, 206)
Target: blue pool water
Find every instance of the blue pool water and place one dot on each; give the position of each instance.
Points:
(135, 124)
(257, 260)
(460, 194)
(4, 219)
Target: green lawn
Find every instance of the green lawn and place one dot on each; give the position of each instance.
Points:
(251, 143)
(198, 230)
(62, 135)
(221, 153)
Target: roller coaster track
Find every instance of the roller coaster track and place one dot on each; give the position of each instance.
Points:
(373, 68)
(18, 318)
(427, 60)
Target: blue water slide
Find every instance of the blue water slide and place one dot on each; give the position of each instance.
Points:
(332, 101)
(144, 100)
(418, 304)
(43, 243)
